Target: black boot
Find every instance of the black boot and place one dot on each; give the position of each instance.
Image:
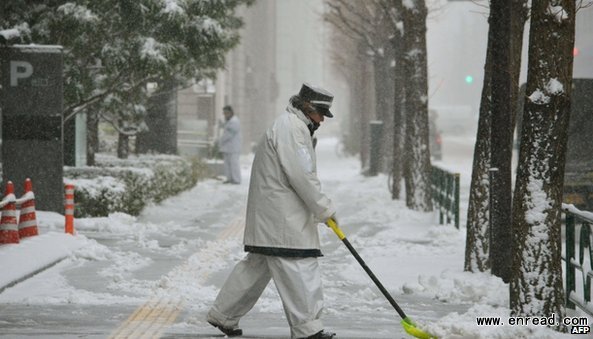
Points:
(231, 332)
(321, 335)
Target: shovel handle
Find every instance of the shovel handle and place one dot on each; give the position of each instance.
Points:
(334, 226)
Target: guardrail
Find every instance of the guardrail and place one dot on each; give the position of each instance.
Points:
(578, 295)
(445, 194)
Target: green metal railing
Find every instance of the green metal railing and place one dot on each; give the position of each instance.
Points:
(576, 219)
(445, 194)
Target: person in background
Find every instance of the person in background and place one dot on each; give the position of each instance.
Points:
(229, 145)
(285, 205)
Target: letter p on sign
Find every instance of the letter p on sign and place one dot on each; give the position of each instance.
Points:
(19, 70)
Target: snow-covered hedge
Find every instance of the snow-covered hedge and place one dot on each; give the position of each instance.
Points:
(128, 185)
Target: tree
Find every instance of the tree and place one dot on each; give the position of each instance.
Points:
(113, 48)
(478, 247)
(407, 83)
(501, 140)
(394, 9)
(398, 116)
(366, 22)
(351, 64)
(536, 280)
(417, 167)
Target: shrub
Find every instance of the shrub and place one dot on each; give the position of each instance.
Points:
(128, 185)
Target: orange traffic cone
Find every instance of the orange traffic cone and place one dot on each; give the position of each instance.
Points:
(9, 230)
(69, 208)
(27, 218)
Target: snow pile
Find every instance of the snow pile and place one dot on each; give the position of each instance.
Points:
(188, 281)
(461, 287)
(463, 326)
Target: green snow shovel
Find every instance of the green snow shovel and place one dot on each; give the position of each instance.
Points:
(407, 323)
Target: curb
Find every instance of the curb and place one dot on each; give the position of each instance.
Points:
(27, 276)
(33, 255)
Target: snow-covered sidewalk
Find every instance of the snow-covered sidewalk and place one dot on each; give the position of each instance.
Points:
(33, 255)
(418, 261)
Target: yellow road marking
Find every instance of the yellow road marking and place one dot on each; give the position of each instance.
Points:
(169, 321)
(159, 318)
(233, 229)
(154, 316)
(138, 325)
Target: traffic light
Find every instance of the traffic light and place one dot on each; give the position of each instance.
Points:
(469, 79)
(575, 51)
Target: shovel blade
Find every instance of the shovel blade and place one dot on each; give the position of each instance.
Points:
(410, 328)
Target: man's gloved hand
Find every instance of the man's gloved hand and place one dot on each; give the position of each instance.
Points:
(333, 218)
(332, 222)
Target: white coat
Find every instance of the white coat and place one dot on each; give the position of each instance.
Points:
(285, 202)
(230, 141)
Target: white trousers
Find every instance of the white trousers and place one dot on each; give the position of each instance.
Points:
(298, 281)
(232, 169)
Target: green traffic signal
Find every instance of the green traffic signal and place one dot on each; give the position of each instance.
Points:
(469, 79)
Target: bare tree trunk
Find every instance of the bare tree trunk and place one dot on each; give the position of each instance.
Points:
(353, 140)
(366, 112)
(380, 69)
(477, 243)
(383, 74)
(536, 281)
(387, 51)
(520, 10)
(477, 250)
(123, 146)
(501, 139)
(417, 167)
(398, 117)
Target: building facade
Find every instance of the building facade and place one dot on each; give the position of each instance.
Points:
(281, 47)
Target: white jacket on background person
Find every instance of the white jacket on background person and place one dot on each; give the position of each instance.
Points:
(230, 141)
(285, 202)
